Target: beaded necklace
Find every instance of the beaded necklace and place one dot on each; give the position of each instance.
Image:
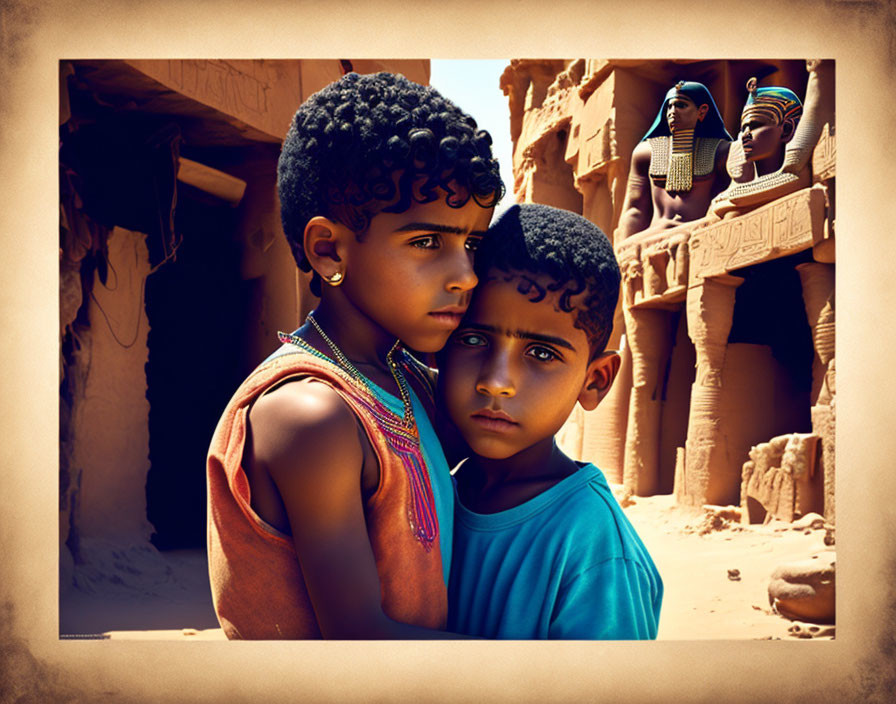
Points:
(352, 370)
(399, 432)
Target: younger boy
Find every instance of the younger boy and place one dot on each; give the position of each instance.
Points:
(330, 502)
(541, 548)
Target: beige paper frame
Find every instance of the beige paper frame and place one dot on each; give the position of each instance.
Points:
(858, 665)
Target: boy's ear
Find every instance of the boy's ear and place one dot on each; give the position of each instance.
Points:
(599, 378)
(324, 246)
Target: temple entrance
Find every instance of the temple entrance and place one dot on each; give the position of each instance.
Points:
(769, 310)
(196, 305)
(767, 377)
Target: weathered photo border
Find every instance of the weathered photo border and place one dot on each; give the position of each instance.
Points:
(858, 665)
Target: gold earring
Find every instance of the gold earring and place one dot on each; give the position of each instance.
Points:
(335, 279)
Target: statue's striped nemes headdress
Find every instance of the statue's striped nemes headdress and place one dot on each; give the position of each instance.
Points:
(773, 104)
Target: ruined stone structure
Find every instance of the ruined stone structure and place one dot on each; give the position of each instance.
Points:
(726, 393)
(174, 279)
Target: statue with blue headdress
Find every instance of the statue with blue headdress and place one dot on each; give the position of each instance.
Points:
(679, 165)
(770, 157)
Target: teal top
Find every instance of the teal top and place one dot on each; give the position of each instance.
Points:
(565, 564)
(436, 463)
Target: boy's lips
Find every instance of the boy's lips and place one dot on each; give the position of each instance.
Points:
(449, 315)
(495, 420)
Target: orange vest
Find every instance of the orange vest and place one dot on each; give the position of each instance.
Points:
(257, 585)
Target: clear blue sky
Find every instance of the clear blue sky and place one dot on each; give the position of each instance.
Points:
(473, 85)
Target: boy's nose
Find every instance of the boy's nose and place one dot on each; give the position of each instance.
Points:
(495, 379)
(462, 277)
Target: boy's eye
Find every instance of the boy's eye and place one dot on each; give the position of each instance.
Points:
(542, 354)
(471, 339)
(427, 242)
(473, 243)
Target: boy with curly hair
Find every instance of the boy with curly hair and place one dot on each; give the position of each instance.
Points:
(330, 500)
(541, 549)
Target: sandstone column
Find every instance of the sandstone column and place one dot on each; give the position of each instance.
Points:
(603, 437)
(818, 295)
(648, 333)
(708, 476)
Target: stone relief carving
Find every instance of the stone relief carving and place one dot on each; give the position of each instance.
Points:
(683, 261)
(781, 477)
(787, 225)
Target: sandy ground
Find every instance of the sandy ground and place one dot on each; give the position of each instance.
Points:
(151, 595)
(701, 601)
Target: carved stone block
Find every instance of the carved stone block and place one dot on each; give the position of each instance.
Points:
(655, 263)
(806, 590)
(779, 475)
(824, 425)
(263, 94)
(785, 226)
(597, 136)
(655, 267)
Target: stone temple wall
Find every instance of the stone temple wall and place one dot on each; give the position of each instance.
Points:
(725, 325)
(174, 279)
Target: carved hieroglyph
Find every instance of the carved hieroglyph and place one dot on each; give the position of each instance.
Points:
(785, 226)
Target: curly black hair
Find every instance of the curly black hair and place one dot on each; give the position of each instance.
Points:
(376, 143)
(573, 251)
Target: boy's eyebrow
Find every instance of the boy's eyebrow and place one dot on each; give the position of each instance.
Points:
(436, 227)
(525, 334)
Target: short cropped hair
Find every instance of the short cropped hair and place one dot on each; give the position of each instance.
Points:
(367, 140)
(574, 252)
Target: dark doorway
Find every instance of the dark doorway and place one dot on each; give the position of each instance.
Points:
(769, 310)
(196, 308)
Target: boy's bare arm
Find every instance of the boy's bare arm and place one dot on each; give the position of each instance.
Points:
(307, 439)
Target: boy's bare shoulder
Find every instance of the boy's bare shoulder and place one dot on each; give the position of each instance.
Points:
(303, 417)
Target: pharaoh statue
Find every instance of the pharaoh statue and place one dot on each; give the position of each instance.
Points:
(676, 169)
(760, 164)
(679, 165)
